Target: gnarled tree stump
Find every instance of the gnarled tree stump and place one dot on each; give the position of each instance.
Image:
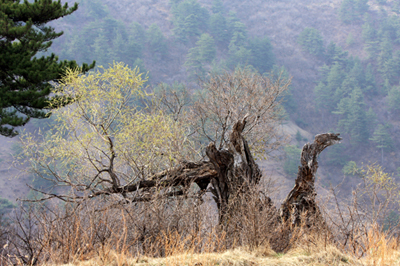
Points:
(301, 199)
(236, 168)
(300, 208)
(232, 172)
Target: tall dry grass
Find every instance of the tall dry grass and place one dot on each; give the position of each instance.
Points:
(184, 231)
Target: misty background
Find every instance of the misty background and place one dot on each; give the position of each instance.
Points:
(344, 57)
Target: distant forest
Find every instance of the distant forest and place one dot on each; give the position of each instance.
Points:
(356, 96)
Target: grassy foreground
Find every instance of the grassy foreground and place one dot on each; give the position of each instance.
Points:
(326, 256)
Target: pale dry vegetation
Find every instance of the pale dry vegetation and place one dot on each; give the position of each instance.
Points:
(183, 232)
(116, 161)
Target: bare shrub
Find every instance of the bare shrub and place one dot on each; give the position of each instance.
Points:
(363, 226)
(225, 99)
(252, 219)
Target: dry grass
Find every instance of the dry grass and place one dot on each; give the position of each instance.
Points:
(72, 242)
(182, 232)
(239, 256)
(381, 250)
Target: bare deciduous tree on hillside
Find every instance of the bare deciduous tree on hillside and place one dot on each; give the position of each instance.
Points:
(227, 98)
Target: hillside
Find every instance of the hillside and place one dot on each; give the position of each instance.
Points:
(282, 23)
(196, 141)
(152, 36)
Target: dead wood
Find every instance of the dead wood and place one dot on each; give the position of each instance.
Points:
(236, 168)
(186, 173)
(231, 173)
(300, 202)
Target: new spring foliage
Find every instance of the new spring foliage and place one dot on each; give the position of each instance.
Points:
(112, 127)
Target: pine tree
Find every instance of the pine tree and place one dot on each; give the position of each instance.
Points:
(119, 47)
(193, 63)
(189, 19)
(334, 84)
(137, 33)
(25, 80)
(219, 28)
(218, 7)
(385, 54)
(101, 49)
(136, 42)
(350, 40)
(329, 91)
(348, 85)
(312, 42)
(133, 50)
(368, 31)
(206, 47)
(238, 55)
(390, 69)
(357, 72)
(74, 49)
(110, 27)
(330, 53)
(262, 56)
(347, 12)
(353, 117)
(335, 54)
(385, 87)
(156, 41)
(372, 120)
(239, 33)
(323, 96)
(381, 138)
(371, 47)
(336, 155)
(298, 137)
(234, 25)
(203, 52)
(96, 10)
(288, 100)
(191, 24)
(389, 27)
(394, 99)
(370, 83)
(86, 39)
(291, 164)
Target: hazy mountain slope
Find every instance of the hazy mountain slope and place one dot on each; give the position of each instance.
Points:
(281, 21)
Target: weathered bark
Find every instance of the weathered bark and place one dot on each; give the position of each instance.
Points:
(201, 173)
(232, 171)
(300, 207)
(236, 168)
(300, 202)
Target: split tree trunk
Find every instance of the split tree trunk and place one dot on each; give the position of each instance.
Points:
(300, 202)
(237, 172)
(236, 168)
(233, 172)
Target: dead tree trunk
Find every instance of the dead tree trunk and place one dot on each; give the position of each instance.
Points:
(232, 172)
(300, 202)
(236, 168)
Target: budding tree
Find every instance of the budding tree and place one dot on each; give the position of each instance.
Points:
(108, 139)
